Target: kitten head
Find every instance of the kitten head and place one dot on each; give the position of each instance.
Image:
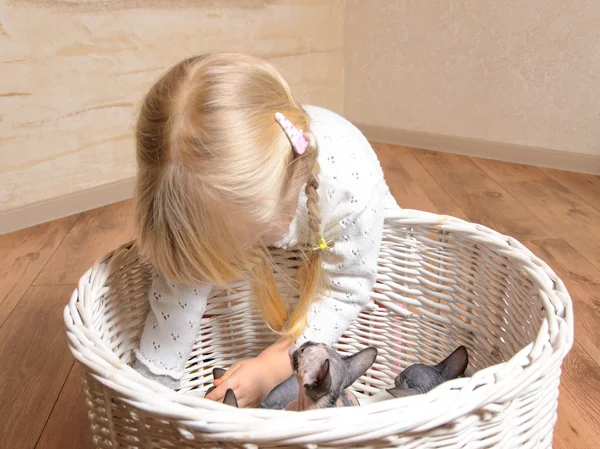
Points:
(419, 379)
(321, 371)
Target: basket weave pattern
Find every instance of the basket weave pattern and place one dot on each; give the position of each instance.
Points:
(442, 282)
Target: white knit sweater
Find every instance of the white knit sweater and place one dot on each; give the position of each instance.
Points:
(354, 199)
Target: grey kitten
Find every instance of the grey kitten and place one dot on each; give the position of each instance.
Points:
(281, 395)
(419, 379)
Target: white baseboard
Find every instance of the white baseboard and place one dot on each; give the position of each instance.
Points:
(521, 154)
(33, 214)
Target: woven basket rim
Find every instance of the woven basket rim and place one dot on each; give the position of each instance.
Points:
(440, 406)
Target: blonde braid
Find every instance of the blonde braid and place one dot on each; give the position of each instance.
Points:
(309, 277)
(312, 203)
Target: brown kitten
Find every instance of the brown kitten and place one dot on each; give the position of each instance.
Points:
(323, 376)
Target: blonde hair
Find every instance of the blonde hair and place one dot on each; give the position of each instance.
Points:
(211, 155)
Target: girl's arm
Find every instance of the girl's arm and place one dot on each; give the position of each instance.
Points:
(350, 271)
(170, 329)
(276, 358)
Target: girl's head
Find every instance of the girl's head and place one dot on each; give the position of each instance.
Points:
(218, 178)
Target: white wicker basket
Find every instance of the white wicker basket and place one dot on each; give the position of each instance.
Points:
(442, 282)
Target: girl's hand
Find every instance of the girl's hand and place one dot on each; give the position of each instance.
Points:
(253, 379)
(247, 379)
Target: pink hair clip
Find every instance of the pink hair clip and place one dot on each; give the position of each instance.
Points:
(296, 136)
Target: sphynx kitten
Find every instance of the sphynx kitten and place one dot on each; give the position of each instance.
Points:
(419, 378)
(324, 376)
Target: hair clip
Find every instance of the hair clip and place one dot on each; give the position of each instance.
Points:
(297, 138)
(323, 245)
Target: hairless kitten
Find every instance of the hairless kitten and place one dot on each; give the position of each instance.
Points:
(419, 379)
(324, 376)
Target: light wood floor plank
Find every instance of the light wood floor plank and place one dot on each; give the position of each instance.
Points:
(507, 172)
(23, 254)
(578, 424)
(97, 232)
(586, 187)
(412, 186)
(583, 283)
(481, 198)
(34, 363)
(565, 213)
(68, 426)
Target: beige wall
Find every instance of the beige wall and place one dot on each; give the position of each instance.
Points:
(72, 74)
(514, 71)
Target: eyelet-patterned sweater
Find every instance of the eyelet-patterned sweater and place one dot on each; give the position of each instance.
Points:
(354, 199)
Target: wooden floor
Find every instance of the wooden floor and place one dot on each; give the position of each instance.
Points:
(556, 214)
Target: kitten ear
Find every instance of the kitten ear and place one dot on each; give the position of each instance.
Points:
(454, 365)
(230, 398)
(321, 385)
(399, 392)
(358, 364)
(218, 372)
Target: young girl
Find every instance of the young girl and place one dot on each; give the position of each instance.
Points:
(230, 163)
